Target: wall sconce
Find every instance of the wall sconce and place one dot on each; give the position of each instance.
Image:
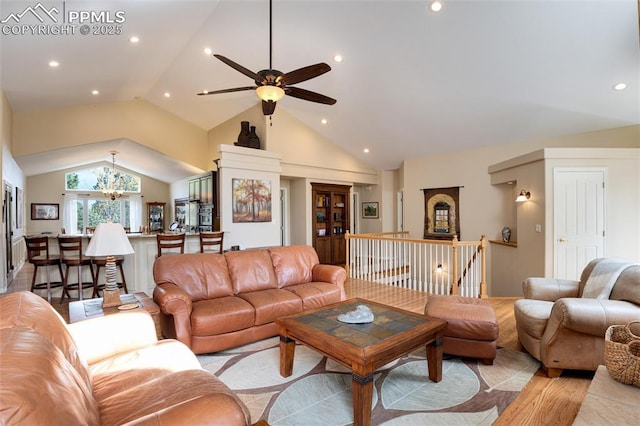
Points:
(439, 268)
(523, 196)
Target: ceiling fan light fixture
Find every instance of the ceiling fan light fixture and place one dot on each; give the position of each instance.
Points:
(270, 93)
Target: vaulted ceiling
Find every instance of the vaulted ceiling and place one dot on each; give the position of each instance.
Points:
(412, 82)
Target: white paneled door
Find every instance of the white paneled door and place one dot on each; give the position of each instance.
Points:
(579, 209)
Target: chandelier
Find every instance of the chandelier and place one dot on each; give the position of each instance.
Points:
(112, 178)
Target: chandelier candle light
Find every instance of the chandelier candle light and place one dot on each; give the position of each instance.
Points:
(110, 191)
(110, 240)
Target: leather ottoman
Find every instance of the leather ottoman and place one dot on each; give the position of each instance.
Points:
(472, 327)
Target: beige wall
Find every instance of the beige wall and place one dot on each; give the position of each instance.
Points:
(299, 211)
(139, 121)
(622, 198)
(243, 163)
(13, 177)
(50, 187)
(227, 132)
(482, 208)
(301, 145)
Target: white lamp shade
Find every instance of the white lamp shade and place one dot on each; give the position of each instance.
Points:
(109, 239)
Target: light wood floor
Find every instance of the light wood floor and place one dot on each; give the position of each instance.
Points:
(543, 401)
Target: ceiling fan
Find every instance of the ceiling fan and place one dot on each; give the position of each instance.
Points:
(271, 85)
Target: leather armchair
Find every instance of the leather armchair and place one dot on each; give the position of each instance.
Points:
(562, 322)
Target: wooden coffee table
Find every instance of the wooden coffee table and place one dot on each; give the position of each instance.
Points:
(363, 348)
(91, 308)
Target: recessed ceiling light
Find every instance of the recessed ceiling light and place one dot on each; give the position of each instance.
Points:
(619, 86)
(324, 121)
(134, 39)
(435, 6)
(95, 92)
(53, 64)
(338, 58)
(167, 94)
(366, 150)
(208, 51)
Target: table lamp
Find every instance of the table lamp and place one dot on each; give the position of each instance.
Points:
(109, 240)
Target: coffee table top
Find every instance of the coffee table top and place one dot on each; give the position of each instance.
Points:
(391, 329)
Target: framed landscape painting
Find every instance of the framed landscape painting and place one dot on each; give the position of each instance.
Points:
(251, 200)
(45, 211)
(370, 210)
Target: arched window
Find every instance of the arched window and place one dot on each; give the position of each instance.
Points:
(82, 210)
(98, 178)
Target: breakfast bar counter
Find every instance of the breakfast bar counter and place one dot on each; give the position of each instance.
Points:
(138, 267)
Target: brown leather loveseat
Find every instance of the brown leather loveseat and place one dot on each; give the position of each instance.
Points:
(212, 302)
(562, 323)
(107, 370)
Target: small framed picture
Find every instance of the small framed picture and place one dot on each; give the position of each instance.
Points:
(370, 210)
(45, 211)
(322, 232)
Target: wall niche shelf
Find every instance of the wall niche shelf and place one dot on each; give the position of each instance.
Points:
(502, 243)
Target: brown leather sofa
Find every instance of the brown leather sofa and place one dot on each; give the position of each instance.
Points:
(562, 323)
(103, 371)
(212, 302)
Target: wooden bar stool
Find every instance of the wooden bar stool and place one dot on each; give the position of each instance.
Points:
(71, 255)
(35, 248)
(211, 242)
(170, 243)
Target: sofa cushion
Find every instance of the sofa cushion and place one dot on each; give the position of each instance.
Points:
(221, 315)
(533, 315)
(293, 264)
(271, 304)
(32, 311)
(175, 389)
(39, 385)
(136, 367)
(201, 275)
(250, 270)
(316, 294)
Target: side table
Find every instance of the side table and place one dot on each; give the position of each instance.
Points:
(92, 308)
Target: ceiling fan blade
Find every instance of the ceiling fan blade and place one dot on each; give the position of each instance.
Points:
(239, 67)
(268, 107)
(308, 95)
(305, 73)
(235, 89)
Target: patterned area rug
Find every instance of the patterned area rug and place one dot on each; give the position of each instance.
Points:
(319, 390)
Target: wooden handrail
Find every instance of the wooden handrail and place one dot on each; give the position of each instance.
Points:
(411, 263)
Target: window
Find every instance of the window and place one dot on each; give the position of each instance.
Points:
(89, 212)
(442, 217)
(96, 179)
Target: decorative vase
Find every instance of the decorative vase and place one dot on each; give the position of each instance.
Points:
(254, 140)
(506, 234)
(243, 137)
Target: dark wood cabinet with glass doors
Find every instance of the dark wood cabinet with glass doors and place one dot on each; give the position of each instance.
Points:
(330, 221)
